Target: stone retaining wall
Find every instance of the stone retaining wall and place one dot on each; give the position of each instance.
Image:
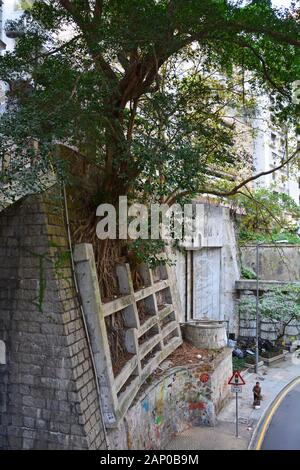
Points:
(48, 397)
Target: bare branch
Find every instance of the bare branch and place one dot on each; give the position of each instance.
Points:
(236, 189)
(57, 49)
(263, 173)
(283, 38)
(267, 74)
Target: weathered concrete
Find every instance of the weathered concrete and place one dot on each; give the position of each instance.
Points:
(273, 360)
(205, 334)
(164, 334)
(48, 394)
(206, 276)
(250, 285)
(219, 380)
(89, 290)
(173, 403)
(280, 262)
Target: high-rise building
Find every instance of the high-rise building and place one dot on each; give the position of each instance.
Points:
(272, 145)
(10, 10)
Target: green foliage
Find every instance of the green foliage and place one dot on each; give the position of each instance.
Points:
(238, 364)
(248, 273)
(268, 216)
(133, 87)
(148, 251)
(24, 4)
(247, 236)
(281, 304)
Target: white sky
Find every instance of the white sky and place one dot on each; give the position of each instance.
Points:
(281, 3)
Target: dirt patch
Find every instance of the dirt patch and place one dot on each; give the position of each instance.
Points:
(188, 355)
(123, 359)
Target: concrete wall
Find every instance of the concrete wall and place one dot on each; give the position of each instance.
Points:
(163, 333)
(172, 404)
(206, 289)
(219, 380)
(276, 262)
(48, 397)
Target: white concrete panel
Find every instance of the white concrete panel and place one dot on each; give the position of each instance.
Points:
(180, 271)
(207, 283)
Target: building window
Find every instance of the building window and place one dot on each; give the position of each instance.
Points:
(275, 158)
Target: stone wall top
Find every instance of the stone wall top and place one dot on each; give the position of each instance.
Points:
(280, 262)
(250, 284)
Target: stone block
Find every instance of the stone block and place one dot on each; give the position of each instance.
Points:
(2, 352)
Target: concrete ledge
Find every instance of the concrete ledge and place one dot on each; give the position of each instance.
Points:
(117, 304)
(147, 325)
(251, 367)
(165, 311)
(125, 373)
(169, 328)
(171, 346)
(147, 291)
(273, 360)
(250, 284)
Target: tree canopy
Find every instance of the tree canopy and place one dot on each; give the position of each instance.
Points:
(269, 216)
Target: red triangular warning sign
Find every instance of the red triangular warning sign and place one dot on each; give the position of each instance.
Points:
(236, 379)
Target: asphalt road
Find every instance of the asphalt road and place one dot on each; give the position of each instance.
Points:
(283, 432)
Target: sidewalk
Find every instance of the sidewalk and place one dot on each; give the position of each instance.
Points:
(222, 436)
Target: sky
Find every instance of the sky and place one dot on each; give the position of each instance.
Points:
(280, 3)
(275, 2)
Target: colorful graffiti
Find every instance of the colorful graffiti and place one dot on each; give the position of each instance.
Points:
(171, 405)
(197, 406)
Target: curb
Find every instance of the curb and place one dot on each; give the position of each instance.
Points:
(253, 439)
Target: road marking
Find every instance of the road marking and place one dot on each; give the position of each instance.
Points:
(273, 409)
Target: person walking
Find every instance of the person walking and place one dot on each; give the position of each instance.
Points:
(256, 395)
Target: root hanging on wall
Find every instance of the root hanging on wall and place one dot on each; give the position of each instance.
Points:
(116, 328)
(107, 253)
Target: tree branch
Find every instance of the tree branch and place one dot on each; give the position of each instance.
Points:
(263, 173)
(243, 43)
(98, 9)
(236, 189)
(239, 27)
(57, 49)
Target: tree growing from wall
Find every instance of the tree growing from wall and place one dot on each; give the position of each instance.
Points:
(130, 88)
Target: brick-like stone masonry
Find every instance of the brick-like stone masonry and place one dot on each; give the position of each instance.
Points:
(48, 396)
